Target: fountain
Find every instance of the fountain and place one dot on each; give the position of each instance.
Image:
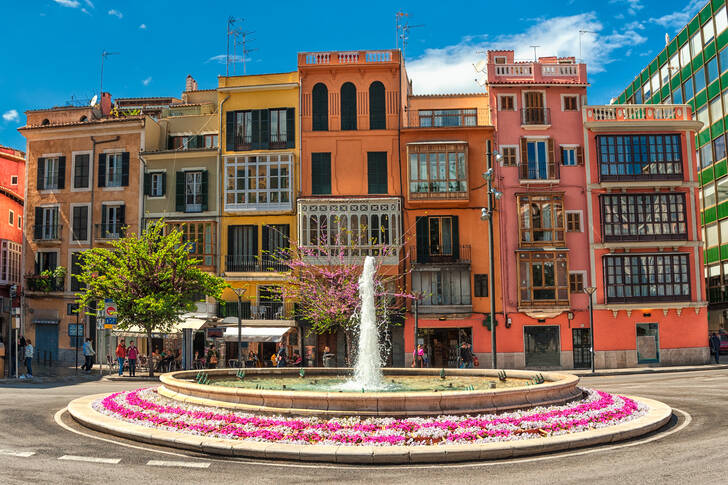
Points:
(368, 368)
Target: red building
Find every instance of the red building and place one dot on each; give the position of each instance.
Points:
(12, 190)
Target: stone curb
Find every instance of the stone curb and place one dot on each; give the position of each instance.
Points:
(647, 370)
(658, 415)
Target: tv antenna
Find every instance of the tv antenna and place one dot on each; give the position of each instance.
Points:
(234, 32)
(535, 56)
(402, 30)
(582, 32)
(104, 55)
(242, 39)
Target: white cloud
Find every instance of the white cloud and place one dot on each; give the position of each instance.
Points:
(221, 59)
(68, 3)
(679, 18)
(450, 69)
(143, 26)
(633, 6)
(116, 13)
(147, 81)
(88, 2)
(11, 115)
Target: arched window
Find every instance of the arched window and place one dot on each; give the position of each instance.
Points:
(348, 107)
(83, 119)
(377, 111)
(45, 122)
(320, 107)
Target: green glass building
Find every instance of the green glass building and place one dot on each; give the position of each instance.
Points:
(693, 69)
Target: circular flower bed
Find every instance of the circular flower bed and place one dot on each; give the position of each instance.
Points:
(146, 407)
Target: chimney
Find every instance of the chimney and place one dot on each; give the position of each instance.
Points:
(105, 104)
(194, 85)
(190, 83)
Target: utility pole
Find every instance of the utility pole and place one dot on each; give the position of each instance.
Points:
(487, 214)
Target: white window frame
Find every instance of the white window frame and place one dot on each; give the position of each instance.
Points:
(500, 103)
(13, 180)
(88, 224)
(113, 153)
(581, 220)
(196, 193)
(152, 175)
(578, 271)
(73, 171)
(105, 205)
(11, 217)
(58, 257)
(517, 154)
(234, 162)
(563, 104)
(71, 252)
(46, 157)
(708, 31)
(721, 20)
(57, 207)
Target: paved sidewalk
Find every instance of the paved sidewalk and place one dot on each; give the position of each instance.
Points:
(646, 370)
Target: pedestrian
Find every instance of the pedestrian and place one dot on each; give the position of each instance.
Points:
(281, 357)
(88, 355)
(28, 357)
(466, 356)
(21, 349)
(714, 343)
(132, 353)
(418, 356)
(212, 357)
(120, 356)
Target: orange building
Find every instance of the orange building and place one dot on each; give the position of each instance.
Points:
(444, 141)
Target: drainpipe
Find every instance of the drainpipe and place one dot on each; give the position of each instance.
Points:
(144, 198)
(221, 176)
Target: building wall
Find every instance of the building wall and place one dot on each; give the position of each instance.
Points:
(12, 166)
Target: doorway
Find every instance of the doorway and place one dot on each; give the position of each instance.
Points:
(648, 343)
(581, 343)
(442, 345)
(542, 347)
(46, 342)
(325, 340)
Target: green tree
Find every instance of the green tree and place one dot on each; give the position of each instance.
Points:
(151, 278)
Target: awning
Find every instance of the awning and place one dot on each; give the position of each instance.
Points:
(137, 331)
(257, 334)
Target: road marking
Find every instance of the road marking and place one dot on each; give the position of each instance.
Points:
(90, 459)
(21, 454)
(177, 463)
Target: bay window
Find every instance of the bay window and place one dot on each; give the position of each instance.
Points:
(438, 170)
(258, 182)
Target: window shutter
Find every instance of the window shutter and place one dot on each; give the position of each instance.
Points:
(38, 229)
(523, 168)
(102, 170)
(320, 104)
(170, 143)
(320, 173)
(377, 172)
(422, 239)
(125, 169)
(563, 157)
(122, 215)
(180, 192)
(291, 128)
(552, 152)
(147, 184)
(41, 174)
(52, 261)
(264, 129)
(255, 123)
(455, 238)
(104, 218)
(230, 131)
(164, 183)
(203, 190)
(579, 156)
(551, 165)
(61, 172)
(265, 235)
(231, 240)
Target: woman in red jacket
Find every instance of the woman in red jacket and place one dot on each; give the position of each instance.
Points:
(120, 356)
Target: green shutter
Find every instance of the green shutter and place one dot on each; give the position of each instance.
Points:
(709, 50)
(125, 169)
(694, 26)
(40, 174)
(102, 170)
(264, 129)
(147, 184)
(38, 228)
(164, 183)
(230, 131)
(291, 128)
(422, 239)
(321, 173)
(204, 190)
(455, 238)
(723, 210)
(377, 172)
(682, 37)
(180, 192)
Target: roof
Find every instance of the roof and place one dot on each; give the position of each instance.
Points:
(446, 95)
(146, 98)
(79, 123)
(3, 149)
(58, 108)
(525, 82)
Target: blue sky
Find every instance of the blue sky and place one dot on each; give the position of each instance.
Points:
(52, 48)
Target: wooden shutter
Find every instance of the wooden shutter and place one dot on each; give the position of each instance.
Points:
(180, 192)
(265, 236)
(102, 170)
(455, 238)
(104, 220)
(61, 172)
(164, 183)
(255, 123)
(231, 239)
(551, 166)
(125, 169)
(524, 159)
(41, 174)
(230, 130)
(170, 143)
(264, 129)
(122, 215)
(38, 228)
(291, 128)
(203, 190)
(579, 156)
(147, 184)
(422, 240)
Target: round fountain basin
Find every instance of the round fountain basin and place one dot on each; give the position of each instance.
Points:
(426, 392)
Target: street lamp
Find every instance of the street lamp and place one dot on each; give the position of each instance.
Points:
(418, 296)
(487, 215)
(590, 291)
(240, 292)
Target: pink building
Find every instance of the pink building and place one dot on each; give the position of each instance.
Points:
(537, 115)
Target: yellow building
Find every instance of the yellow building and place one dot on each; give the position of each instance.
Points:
(260, 145)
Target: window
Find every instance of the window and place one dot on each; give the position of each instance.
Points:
(20, 222)
(638, 97)
(719, 148)
(80, 223)
(276, 242)
(576, 282)
(543, 279)
(260, 129)
(45, 261)
(243, 130)
(76, 269)
(665, 74)
(708, 32)
(655, 81)
(649, 217)
(320, 107)
(81, 164)
(708, 196)
(51, 173)
(11, 218)
(570, 103)
(571, 156)
(480, 285)
(242, 248)
(210, 141)
(541, 219)
(377, 107)
(114, 169)
(440, 233)
(112, 221)
(438, 239)
(348, 106)
(573, 221)
(193, 191)
(626, 157)
(200, 239)
(712, 70)
(539, 163)
(10, 262)
(706, 155)
(722, 185)
(155, 184)
(258, 182)
(674, 65)
(510, 155)
(677, 96)
(506, 102)
(646, 91)
(647, 277)
(689, 91)
(500, 59)
(320, 173)
(377, 172)
(444, 287)
(46, 223)
(438, 170)
(278, 128)
(448, 117)
(699, 78)
(703, 115)
(711, 235)
(14, 180)
(696, 45)
(721, 20)
(685, 54)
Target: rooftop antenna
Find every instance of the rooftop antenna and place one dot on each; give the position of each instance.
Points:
(231, 31)
(245, 51)
(534, 47)
(582, 32)
(104, 55)
(397, 18)
(403, 30)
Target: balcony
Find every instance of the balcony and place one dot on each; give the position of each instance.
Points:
(262, 311)
(336, 230)
(535, 117)
(347, 57)
(649, 117)
(541, 172)
(460, 255)
(444, 290)
(45, 284)
(253, 264)
(110, 231)
(446, 118)
(537, 73)
(47, 232)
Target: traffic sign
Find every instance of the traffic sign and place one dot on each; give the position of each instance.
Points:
(109, 312)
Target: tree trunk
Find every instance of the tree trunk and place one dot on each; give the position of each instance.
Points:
(150, 363)
(349, 338)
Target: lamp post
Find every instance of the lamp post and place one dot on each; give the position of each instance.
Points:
(590, 291)
(418, 297)
(240, 292)
(487, 215)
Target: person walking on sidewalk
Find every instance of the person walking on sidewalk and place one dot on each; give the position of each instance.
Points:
(29, 357)
(120, 356)
(132, 353)
(714, 343)
(88, 355)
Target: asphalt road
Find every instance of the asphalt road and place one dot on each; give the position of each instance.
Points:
(34, 448)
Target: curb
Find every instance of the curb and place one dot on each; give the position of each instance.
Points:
(648, 370)
(81, 410)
